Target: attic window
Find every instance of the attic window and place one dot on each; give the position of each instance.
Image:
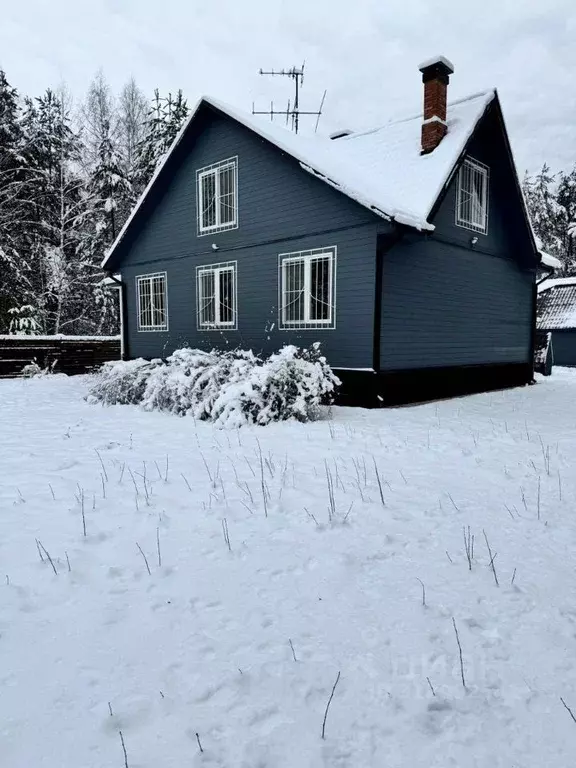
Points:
(472, 200)
(217, 197)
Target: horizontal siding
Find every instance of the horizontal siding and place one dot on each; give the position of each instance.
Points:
(446, 306)
(350, 344)
(564, 346)
(448, 303)
(281, 209)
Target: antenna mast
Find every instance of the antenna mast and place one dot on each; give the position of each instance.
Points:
(293, 114)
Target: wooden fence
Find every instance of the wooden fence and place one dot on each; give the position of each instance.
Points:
(61, 354)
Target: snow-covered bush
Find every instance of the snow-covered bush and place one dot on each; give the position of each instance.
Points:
(192, 380)
(290, 384)
(122, 382)
(33, 369)
(228, 388)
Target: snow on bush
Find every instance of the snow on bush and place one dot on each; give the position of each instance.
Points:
(230, 388)
(122, 382)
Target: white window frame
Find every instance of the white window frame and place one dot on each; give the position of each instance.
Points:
(473, 166)
(306, 257)
(149, 278)
(214, 171)
(216, 270)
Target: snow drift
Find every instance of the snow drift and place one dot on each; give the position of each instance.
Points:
(231, 388)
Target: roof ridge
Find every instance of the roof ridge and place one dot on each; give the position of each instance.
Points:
(405, 201)
(419, 116)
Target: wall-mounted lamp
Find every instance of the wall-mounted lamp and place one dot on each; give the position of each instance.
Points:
(215, 247)
(473, 241)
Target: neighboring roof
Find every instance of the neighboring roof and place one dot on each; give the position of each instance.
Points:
(382, 169)
(557, 304)
(550, 261)
(546, 259)
(554, 282)
(112, 281)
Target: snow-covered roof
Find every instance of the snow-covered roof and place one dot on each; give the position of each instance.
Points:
(557, 304)
(546, 258)
(550, 261)
(554, 282)
(112, 281)
(382, 169)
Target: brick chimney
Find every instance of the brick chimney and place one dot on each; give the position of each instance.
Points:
(435, 76)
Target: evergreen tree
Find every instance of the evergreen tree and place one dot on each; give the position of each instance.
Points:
(132, 109)
(14, 267)
(53, 152)
(175, 113)
(165, 119)
(149, 149)
(66, 188)
(551, 201)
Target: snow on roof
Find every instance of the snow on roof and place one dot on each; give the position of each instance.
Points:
(557, 304)
(554, 282)
(112, 281)
(546, 258)
(382, 169)
(550, 261)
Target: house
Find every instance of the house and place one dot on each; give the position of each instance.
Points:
(405, 250)
(557, 315)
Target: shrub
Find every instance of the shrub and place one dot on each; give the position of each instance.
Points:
(228, 388)
(122, 382)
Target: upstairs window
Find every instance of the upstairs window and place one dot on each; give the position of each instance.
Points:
(472, 200)
(217, 197)
(307, 289)
(152, 302)
(216, 291)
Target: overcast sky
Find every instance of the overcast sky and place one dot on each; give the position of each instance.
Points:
(365, 52)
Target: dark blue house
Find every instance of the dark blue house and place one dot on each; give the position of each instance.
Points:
(405, 250)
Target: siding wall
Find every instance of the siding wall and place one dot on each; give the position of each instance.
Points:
(281, 209)
(564, 347)
(446, 303)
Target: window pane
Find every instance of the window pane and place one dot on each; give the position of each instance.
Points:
(472, 196)
(227, 201)
(206, 298)
(158, 301)
(145, 303)
(208, 202)
(293, 291)
(478, 198)
(465, 197)
(226, 303)
(320, 278)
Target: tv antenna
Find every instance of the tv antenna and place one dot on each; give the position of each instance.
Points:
(292, 112)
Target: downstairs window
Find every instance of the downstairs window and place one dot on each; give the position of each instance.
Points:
(308, 289)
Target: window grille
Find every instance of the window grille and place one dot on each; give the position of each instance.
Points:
(216, 296)
(307, 283)
(152, 302)
(217, 197)
(472, 200)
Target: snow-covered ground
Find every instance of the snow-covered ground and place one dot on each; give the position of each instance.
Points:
(242, 644)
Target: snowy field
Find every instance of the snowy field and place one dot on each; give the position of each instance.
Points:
(211, 585)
